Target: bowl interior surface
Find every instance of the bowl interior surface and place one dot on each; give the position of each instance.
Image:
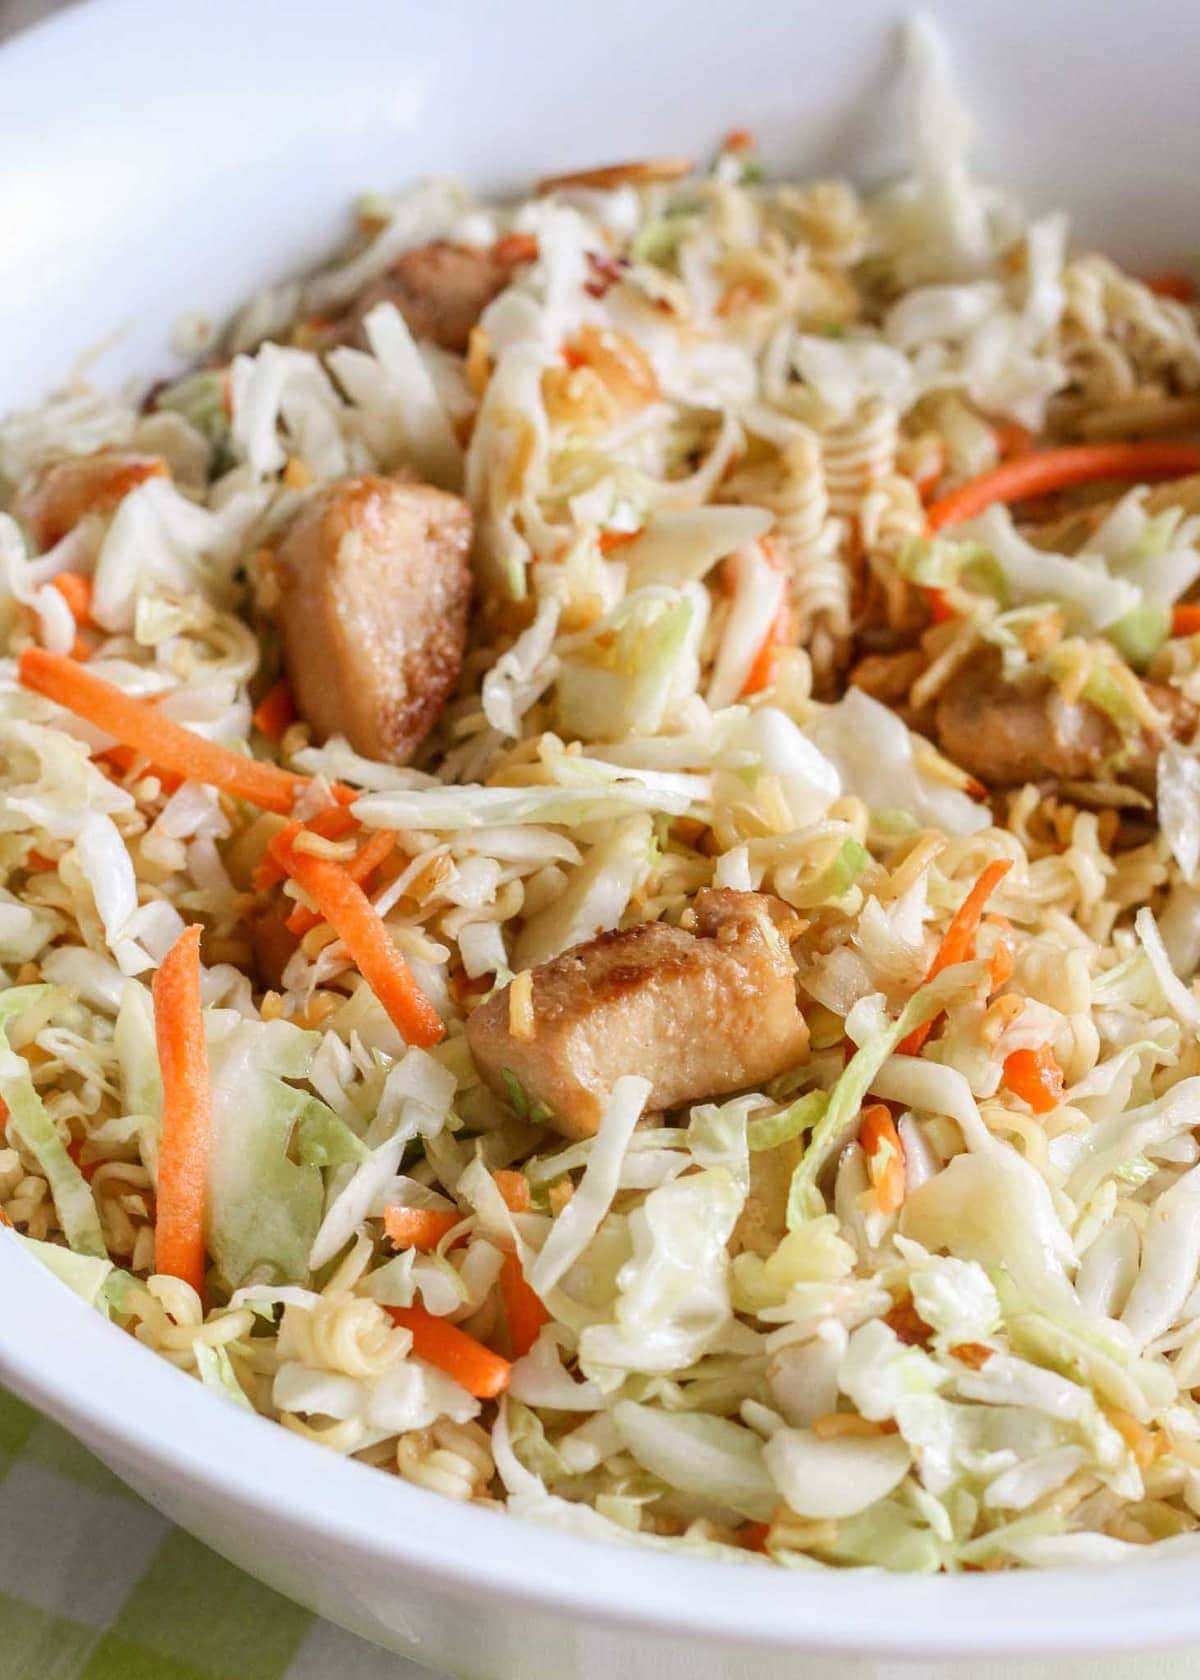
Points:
(154, 164)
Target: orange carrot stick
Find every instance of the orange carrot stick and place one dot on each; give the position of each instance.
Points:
(186, 1114)
(516, 248)
(522, 1307)
(334, 823)
(884, 1155)
(610, 541)
(1035, 1076)
(124, 760)
(940, 610)
(136, 724)
(1011, 439)
(1045, 470)
(1175, 285)
(76, 591)
(1000, 964)
(753, 1536)
(1185, 620)
(276, 711)
(420, 1228)
(514, 1187)
(762, 672)
(349, 912)
(959, 939)
(360, 868)
(472, 1366)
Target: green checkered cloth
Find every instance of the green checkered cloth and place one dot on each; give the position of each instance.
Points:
(95, 1585)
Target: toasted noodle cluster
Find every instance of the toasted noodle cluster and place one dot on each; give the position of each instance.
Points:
(600, 832)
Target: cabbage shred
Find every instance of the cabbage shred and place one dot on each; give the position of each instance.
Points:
(704, 410)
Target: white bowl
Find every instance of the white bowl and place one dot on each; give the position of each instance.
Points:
(161, 157)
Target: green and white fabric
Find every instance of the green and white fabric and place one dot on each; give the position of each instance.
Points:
(95, 1585)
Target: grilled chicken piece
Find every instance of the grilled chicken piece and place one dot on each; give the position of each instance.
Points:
(374, 588)
(66, 491)
(440, 289)
(699, 1014)
(1008, 733)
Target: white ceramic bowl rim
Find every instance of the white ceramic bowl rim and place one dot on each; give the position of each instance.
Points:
(66, 1360)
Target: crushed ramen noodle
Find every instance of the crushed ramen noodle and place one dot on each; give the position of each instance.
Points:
(600, 838)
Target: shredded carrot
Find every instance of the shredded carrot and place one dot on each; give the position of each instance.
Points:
(87, 1168)
(472, 1366)
(421, 1228)
(1035, 1076)
(137, 724)
(940, 610)
(334, 823)
(753, 1536)
(1001, 960)
(1012, 439)
(959, 939)
(739, 140)
(884, 1154)
(742, 295)
(1000, 964)
(514, 1187)
(186, 1114)
(349, 912)
(1145, 1444)
(762, 672)
(974, 1355)
(1045, 470)
(276, 711)
(124, 760)
(360, 868)
(38, 861)
(523, 1309)
(516, 248)
(612, 540)
(1175, 285)
(1185, 620)
(76, 591)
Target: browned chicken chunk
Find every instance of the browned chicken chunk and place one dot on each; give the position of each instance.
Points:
(1007, 733)
(374, 588)
(440, 289)
(63, 493)
(699, 1014)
